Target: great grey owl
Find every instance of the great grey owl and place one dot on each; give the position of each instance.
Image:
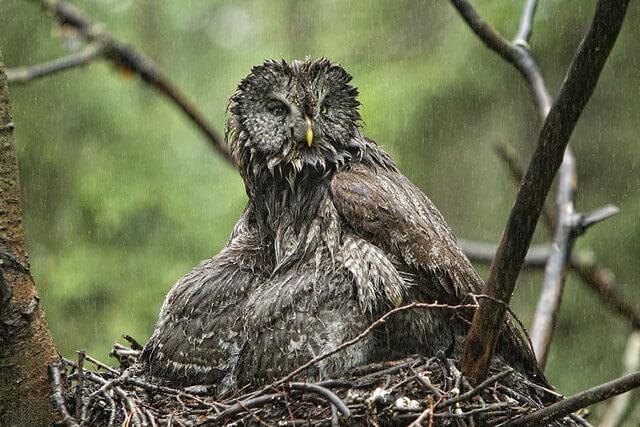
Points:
(333, 236)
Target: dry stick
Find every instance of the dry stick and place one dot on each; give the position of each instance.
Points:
(353, 341)
(581, 400)
(24, 75)
(548, 307)
(478, 389)
(126, 57)
(58, 398)
(363, 334)
(328, 394)
(576, 90)
(620, 406)
(484, 252)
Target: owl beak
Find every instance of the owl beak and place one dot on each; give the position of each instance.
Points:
(309, 131)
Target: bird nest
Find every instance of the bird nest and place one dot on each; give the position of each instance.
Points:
(413, 391)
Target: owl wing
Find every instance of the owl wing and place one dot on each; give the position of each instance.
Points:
(384, 207)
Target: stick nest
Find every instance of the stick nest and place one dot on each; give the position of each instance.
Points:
(414, 391)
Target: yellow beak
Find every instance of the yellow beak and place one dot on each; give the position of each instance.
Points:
(309, 131)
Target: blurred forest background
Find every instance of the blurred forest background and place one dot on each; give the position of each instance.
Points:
(122, 195)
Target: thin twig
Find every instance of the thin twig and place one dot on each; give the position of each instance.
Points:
(24, 75)
(558, 126)
(476, 390)
(58, 398)
(363, 334)
(580, 400)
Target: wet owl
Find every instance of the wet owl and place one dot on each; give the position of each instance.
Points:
(332, 237)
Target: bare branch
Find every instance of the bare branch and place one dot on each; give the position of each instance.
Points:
(580, 400)
(546, 314)
(526, 23)
(576, 90)
(484, 252)
(516, 54)
(126, 57)
(598, 278)
(24, 75)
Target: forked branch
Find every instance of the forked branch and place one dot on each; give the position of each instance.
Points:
(123, 57)
(554, 136)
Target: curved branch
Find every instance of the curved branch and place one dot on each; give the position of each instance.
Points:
(127, 58)
(576, 90)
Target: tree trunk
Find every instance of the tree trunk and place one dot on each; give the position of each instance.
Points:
(26, 344)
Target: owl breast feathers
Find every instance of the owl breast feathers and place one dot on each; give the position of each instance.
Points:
(333, 236)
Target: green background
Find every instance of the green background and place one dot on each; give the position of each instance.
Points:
(122, 195)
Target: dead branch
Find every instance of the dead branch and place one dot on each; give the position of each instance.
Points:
(598, 278)
(581, 400)
(58, 398)
(84, 57)
(484, 252)
(548, 307)
(556, 130)
(126, 57)
(363, 334)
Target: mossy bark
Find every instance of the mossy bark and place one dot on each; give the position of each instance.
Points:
(26, 344)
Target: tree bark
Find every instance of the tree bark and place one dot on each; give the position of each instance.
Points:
(26, 344)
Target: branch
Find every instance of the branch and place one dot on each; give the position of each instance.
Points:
(24, 75)
(581, 400)
(555, 273)
(576, 90)
(526, 23)
(514, 53)
(126, 57)
(598, 278)
(485, 252)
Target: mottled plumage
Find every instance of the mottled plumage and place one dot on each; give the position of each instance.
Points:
(333, 236)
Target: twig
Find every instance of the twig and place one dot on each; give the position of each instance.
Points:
(576, 90)
(328, 394)
(619, 407)
(101, 365)
(25, 75)
(126, 57)
(363, 334)
(243, 405)
(58, 398)
(476, 390)
(580, 400)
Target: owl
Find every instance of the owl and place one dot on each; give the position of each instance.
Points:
(333, 236)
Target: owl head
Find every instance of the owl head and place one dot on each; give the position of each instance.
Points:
(291, 119)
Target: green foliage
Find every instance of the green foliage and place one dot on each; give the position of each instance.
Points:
(122, 195)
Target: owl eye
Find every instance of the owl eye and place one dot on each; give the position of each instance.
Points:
(277, 108)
